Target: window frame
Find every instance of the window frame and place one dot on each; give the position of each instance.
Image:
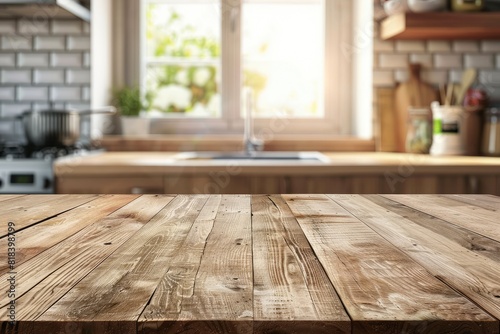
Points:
(338, 95)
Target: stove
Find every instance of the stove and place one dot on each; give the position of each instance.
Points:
(28, 170)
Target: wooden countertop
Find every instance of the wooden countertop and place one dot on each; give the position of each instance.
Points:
(252, 264)
(140, 163)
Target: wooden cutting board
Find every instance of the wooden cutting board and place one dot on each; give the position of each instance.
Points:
(414, 93)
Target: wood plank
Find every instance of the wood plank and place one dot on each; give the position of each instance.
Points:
(291, 289)
(31, 209)
(466, 271)
(483, 201)
(218, 299)
(386, 137)
(382, 289)
(40, 237)
(47, 277)
(121, 286)
(476, 219)
(8, 197)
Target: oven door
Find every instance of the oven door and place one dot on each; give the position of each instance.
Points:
(26, 176)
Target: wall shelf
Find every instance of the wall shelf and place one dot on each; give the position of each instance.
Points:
(441, 25)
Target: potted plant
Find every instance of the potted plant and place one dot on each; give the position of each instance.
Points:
(129, 103)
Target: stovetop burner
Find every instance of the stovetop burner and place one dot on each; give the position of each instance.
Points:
(13, 151)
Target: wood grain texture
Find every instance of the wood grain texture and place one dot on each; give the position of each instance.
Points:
(441, 25)
(41, 237)
(222, 286)
(476, 219)
(65, 264)
(28, 210)
(468, 272)
(277, 264)
(375, 281)
(386, 137)
(120, 287)
(289, 285)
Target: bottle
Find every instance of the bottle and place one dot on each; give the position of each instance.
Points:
(419, 135)
(491, 133)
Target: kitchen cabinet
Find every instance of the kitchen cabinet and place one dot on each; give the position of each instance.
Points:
(289, 184)
(442, 25)
(345, 173)
(110, 185)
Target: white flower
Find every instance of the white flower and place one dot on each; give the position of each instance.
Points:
(214, 104)
(175, 95)
(182, 78)
(201, 76)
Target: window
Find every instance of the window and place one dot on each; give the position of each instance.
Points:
(203, 59)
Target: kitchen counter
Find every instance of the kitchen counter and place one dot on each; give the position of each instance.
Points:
(139, 163)
(252, 264)
(342, 173)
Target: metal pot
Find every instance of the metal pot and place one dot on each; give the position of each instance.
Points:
(56, 127)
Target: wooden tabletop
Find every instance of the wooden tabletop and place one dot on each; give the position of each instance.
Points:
(250, 264)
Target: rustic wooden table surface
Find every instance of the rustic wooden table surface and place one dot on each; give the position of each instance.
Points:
(250, 264)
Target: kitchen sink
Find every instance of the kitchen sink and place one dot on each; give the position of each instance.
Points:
(255, 156)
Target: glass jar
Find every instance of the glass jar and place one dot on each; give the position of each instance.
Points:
(491, 133)
(467, 5)
(419, 135)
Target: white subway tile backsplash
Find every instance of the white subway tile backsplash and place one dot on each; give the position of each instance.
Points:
(7, 93)
(86, 28)
(401, 76)
(7, 59)
(33, 93)
(86, 93)
(78, 76)
(435, 77)
(49, 76)
(465, 46)
(424, 59)
(448, 60)
(52, 43)
(66, 60)
(383, 78)
(65, 94)
(86, 59)
(479, 61)
(490, 78)
(455, 75)
(27, 26)
(7, 27)
(16, 76)
(16, 42)
(78, 43)
(490, 46)
(380, 45)
(67, 27)
(78, 106)
(14, 109)
(393, 61)
(410, 46)
(46, 106)
(33, 59)
(438, 46)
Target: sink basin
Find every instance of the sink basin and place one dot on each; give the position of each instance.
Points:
(256, 156)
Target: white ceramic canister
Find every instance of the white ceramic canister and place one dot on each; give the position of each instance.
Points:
(447, 138)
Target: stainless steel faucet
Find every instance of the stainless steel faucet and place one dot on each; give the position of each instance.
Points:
(250, 143)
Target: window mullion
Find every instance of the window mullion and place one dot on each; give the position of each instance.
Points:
(231, 60)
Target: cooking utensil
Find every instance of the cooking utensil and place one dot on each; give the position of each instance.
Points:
(421, 6)
(468, 78)
(415, 93)
(55, 127)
